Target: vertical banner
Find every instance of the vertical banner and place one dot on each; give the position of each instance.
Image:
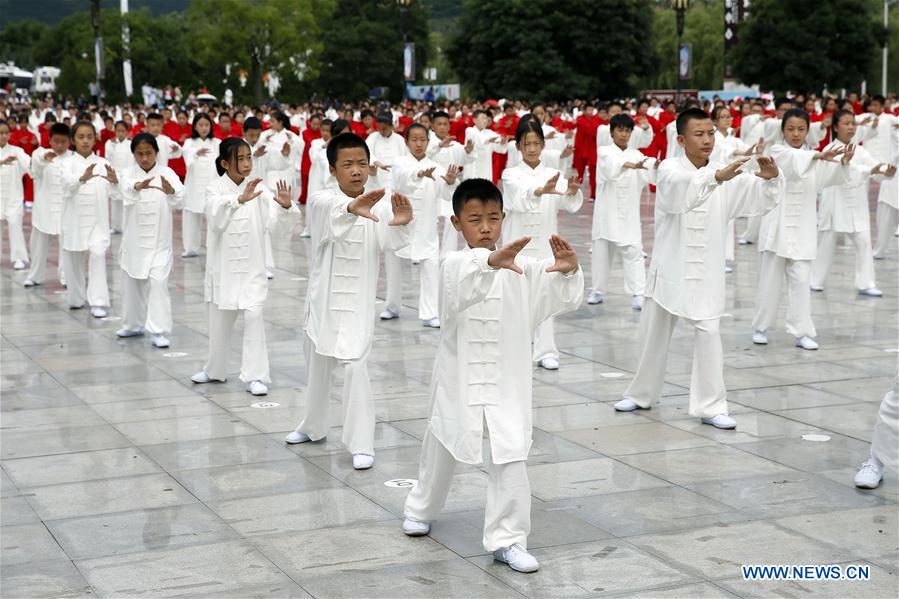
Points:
(126, 49)
(685, 62)
(409, 61)
(735, 11)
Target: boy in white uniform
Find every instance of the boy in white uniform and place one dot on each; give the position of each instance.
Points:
(13, 164)
(491, 300)
(695, 199)
(349, 230)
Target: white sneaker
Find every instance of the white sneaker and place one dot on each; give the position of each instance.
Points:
(433, 323)
(126, 332)
(28, 283)
(744, 242)
(549, 363)
(159, 341)
(722, 421)
(414, 528)
(594, 298)
(871, 292)
(517, 557)
(18, 265)
(806, 342)
(269, 274)
(388, 314)
(637, 302)
(363, 461)
(257, 388)
(115, 232)
(869, 476)
(297, 437)
(728, 269)
(305, 234)
(98, 312)
(190, 254)
(627, 405)
(760, 338)
(880, 256)
(201, 378)
(816, 287)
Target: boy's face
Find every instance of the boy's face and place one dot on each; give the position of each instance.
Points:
(480, 223)
(154, 127)
(182, 119)
(326, 131)
(225, 123)
(481, 120)
(385, 130)
(59, 143)
(417, 142)
(876, 107)
(145, 156)
(367, 120)
(351, 170)
(441, 126)
(252, 135)
(621, 136)
(782, 108)
(121, 132)
(4, 135)
(699, 139)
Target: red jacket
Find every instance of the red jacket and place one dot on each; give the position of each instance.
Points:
(585, 137)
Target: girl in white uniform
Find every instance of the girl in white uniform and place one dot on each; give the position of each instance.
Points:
(118, 153)
(151, 191)
(199, 154)
(532, 199)
(240, 211)
(13, 165)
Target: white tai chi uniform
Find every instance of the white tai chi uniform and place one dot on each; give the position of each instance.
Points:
(726, 149)
(844, 209)
(481, 375)
(885, 441)
(486, 142)
(279, 167)
(146, 252)
(12, 208)
(788, 239)
(85, 230)
(386, 150)
(888, 202)
(46, 213)
(200, 173)
(616, 217)
(686, 276)
(427, 197)
(235, 279)
(536, 217)
(339, 320)
(118, 153)
(452, 155)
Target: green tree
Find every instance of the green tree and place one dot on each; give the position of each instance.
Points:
(363, 47)
(17, 42)
(541, 49)
(279, 36)
(806, 44)
(704, 31)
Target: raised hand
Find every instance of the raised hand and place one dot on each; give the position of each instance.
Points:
(446, 142)
(402, 210)
(48, 157)
(283, 194)
(469, 146)
(427, 172)
(829, 154)
(566, 258)
(174, 148)
(574, 185)
(730, 171)
(111, 175)
(890, 170)
(88, 174)
(166, 187)
(362, 205)
(260, 151)
(8, 160)
(202, 151)
(636, 165)
(568, 151)
(452, 173)
(848, 154)
(551, 135)
(285, 149)
(767, 168)
(145, 184)
(250, 192)
(549, 186)
(505, 256)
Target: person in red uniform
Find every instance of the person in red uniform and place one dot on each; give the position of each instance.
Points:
(179, 131)
(505, 126)
(460, 124)
(225, 127)
(106, 134)
(20, 136)
(652, 150)
(312, 132)
(666, 117)
(585, 144)
(404, 121)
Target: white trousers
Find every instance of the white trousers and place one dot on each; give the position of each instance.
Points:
(191, 230)
(887, 219)
(17, 249)
(864, 258)
(507, 517)
(708, 396)
(729, 240)
(269, 254)
(358, 404)
(603, 256)
(147, 302)
(751, 233)
(429, 281)
(772, 270)
(116, 215)
(450, 241)
(40, 249)
(885, 441)
(254, 353)
(97, 289)
(545, 341)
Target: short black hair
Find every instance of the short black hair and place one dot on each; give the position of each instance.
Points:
(144, 138)
(621, 121)
(781, 101)
(252, 122)
(385, 118)
(345, 141)
(155, 116)
(339, 126)
(59, 129)
(413, 126)
(794, 113)
(690, 114)
(439, 115)
(475, 189)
